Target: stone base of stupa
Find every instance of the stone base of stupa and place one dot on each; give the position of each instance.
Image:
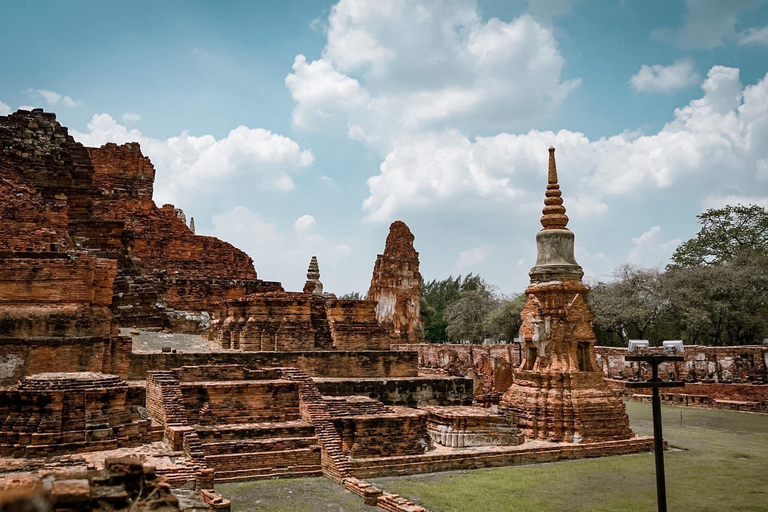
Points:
(566, 407)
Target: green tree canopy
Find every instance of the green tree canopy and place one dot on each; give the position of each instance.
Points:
(437, 295)
(503, 323)
(725, 232)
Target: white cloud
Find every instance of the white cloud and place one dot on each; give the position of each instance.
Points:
(395, 68)
(718, 201)
(707, 23)
(27, 107)
(52, 97)
(754, 35)
(279, 255)
(189, 165)
(715, 143)
(305, 225)
(4, 109)
(658, 78)
(650, 249)
(130, 116)
(472, 257)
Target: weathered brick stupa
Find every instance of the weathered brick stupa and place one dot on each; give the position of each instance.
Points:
(396, 286)
(558, 392)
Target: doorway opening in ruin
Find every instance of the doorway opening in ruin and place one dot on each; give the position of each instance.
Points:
(582, 356)
(533, 353)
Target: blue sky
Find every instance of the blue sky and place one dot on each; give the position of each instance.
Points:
(298, 128)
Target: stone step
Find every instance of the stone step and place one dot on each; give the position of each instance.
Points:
(259, 445)
(244, 475)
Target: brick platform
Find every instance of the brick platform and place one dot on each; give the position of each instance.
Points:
(531, 452)
(59, 413)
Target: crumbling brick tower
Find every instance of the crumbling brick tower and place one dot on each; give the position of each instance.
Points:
(396, 286)
(558, 392)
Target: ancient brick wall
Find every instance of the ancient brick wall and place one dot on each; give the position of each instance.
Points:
(399, 431)
(22, 357)
(57, 195)
(340, 364)
(409, 392)
(49, 294)
(48, 159)
(490, 366)
(396, 286)
(747, 363)
(54, 315)
(290, 321)
(28, 222)
(59, 413)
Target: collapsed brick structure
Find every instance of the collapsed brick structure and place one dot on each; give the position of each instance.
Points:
(283, 321)
(396, 286)
(124, 484)
(59, 196)
(59, 413)
(490, 366)
(558, 392)
(726, 365)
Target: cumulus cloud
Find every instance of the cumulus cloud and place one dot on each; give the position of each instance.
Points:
(707, 23)
(279, 255)
(188, 164)
(53, 98)
(130, 116)
(305, 225)
(719, 201)
(4, 109)
(754, 35)
(401, 67)
(716, 142)
(650, 249)
(470, 258)
(658, 78)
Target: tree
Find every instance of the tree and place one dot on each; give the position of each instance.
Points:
(725, 232)
(632, 306)
(725, 304)
(353, 296)
(466, 317)
(436, 296)
(504, 322)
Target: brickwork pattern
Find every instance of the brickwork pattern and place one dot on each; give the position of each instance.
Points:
(396, 286)
(58, 413)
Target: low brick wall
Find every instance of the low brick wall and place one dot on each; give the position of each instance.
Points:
(410, 392)
(735, 397)
(746, 363)
(485, 457)
(23, 357)
(367, 363)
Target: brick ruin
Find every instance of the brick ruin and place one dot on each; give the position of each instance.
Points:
(292, 383)
(59, 196)
(558, 391)
(716, 377)
(123, 485)
(396, 286)
(290, 321)
(59, 413)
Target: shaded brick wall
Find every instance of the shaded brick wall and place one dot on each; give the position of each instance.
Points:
(745, 363)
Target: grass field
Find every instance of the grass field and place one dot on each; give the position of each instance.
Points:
(718, 461)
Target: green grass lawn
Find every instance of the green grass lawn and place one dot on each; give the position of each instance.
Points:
(718, 461)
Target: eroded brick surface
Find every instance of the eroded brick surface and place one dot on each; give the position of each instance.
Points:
(57, 413)
(291, 321)
(396, 286)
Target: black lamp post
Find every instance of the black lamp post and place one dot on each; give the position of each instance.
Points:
(658, 440)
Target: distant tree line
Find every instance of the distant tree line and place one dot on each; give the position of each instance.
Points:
(715, 292)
